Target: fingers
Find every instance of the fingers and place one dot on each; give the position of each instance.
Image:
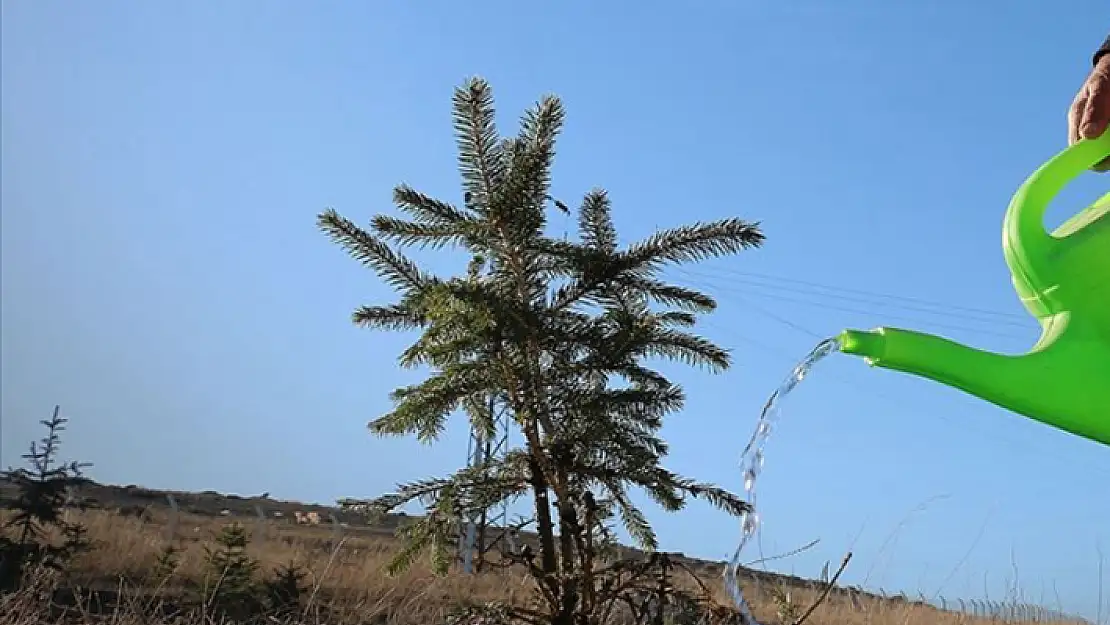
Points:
(1095, 114)
(1076, 114)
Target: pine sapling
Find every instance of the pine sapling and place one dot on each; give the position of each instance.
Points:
(231, 571)
(284, 591)
(169, 558)
(45, 490)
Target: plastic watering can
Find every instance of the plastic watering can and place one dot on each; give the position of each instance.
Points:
(1063, 279)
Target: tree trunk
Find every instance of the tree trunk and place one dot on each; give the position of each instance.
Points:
(586, 546)
(568, 529)
(545, 527)
(572, 573)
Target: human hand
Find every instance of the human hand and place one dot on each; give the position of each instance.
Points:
(1089, 114)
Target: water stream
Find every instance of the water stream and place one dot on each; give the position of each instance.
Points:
(751, 463)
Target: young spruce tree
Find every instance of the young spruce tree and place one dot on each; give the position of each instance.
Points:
(556, 333)
(43, 496)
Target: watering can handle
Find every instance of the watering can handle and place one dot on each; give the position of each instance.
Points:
(1023, 227)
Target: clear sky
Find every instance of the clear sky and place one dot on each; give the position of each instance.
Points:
(164, 282)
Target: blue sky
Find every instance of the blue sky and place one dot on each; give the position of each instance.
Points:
(163, 280)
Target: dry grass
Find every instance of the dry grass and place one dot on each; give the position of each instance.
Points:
(346, 578)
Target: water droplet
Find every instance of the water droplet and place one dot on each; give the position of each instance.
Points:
(751, 523)
(752, 460)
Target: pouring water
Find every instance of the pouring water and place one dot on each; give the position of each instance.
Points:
(751, 463)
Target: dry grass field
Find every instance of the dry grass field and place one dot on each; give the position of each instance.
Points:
(118, 581)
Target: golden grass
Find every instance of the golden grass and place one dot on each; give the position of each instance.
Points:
(348, 578)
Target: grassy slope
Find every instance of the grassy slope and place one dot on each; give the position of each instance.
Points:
(129, 526)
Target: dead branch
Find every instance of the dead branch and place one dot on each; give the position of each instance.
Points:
(825, 592)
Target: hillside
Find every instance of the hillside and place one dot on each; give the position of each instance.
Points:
(122, 579)
(137, 501)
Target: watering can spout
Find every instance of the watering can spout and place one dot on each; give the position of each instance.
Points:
(941, 360)
(1029, 384)
(938, 359)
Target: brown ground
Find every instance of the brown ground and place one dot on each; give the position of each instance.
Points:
(345, 574)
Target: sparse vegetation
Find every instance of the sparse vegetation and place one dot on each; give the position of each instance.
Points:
(118, 582)
(202, 569)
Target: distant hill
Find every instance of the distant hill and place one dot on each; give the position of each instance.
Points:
(133, 499)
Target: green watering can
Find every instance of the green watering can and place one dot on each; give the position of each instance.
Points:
(1063, 279)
